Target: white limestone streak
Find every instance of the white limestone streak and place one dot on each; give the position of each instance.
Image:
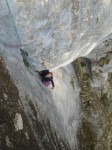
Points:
(18, 122)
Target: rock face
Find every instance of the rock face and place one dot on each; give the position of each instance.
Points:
(29, 125)
(54, 33)
(10, 137)
(52, 115)
(57, 32)
(95, 80)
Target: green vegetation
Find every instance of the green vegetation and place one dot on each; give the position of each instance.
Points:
(26, 63)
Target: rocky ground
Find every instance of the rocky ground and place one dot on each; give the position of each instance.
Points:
(95, 80)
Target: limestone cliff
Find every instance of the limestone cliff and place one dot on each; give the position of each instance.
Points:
(95, 80)
(54, 34)
(50, 114)
(15, 132)
(21, 130)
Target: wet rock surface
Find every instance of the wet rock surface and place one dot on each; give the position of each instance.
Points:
(95, 80)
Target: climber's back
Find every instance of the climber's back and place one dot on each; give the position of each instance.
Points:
(47, 78)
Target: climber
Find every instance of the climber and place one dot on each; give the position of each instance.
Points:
(47, 78)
